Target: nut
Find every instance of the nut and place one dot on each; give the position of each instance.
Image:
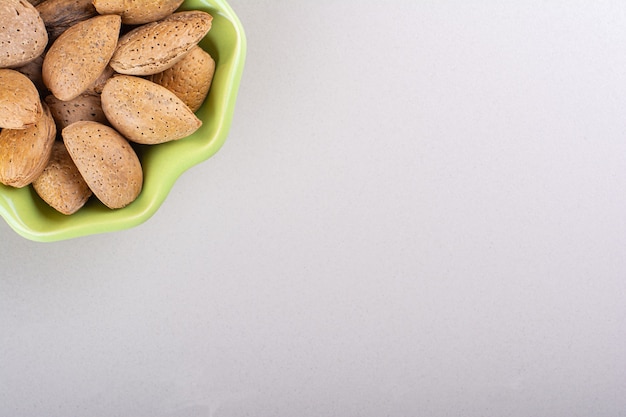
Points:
(20, 105)
(60, 184)
(106, 161)
(190, 78)
(155, 47)
(138, 12)
(78, 57)
(23, 36)
(145, 112)
(24, 153)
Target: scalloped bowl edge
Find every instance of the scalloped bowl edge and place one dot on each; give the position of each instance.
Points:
(163, 164)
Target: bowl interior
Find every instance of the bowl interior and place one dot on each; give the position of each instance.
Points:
(32, 218)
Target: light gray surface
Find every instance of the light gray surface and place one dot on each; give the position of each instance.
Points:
(420, 210)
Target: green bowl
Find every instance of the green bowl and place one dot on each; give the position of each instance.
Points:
(32, 218)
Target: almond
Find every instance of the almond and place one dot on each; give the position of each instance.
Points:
(145, 112)
(82, 108)
(190, 78)
(20, 105)
(138, 12)
(24, 153)
(78, 57)
(60, 184)
(106, 161)
(59, 15)
(155, 47)
(33, 71)
(23, 35)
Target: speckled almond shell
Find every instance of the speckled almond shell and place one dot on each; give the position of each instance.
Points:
(190, 78)
(60, 15)
(24, 153)
(23, 36)
(78, 57)
(33, 71)
(145, 112)
(138, 12)
(106, 161)
(20, 105)
(85, 107)
(60, 184)
(155, 47)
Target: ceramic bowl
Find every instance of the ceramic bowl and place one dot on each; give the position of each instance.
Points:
(32, 218)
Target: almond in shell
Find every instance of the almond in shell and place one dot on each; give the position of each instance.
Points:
(190, 78)
(33, 71)
(60, 15)
(85, 107)
(60, 184)
(138, 12)
(24, 153)
(78, 57)
(106, 161)
(145, 112)
(23, 35)
(20, 105)
(157, 46)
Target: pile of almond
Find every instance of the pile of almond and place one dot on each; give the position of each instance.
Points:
(80, 80)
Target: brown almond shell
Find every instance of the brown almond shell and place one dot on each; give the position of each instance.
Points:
(24, 153)
(78, 57)
(33, 71)
(60, 184)
(157, 46)
(23, 36)
(85, 107)
(138, 12)
(106, 161)
(20, 105)
(190, 78)
(60, 15)
(145, 112)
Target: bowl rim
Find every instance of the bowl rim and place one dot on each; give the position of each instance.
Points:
(10, 211)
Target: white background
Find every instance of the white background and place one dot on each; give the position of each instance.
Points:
(420, 211)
